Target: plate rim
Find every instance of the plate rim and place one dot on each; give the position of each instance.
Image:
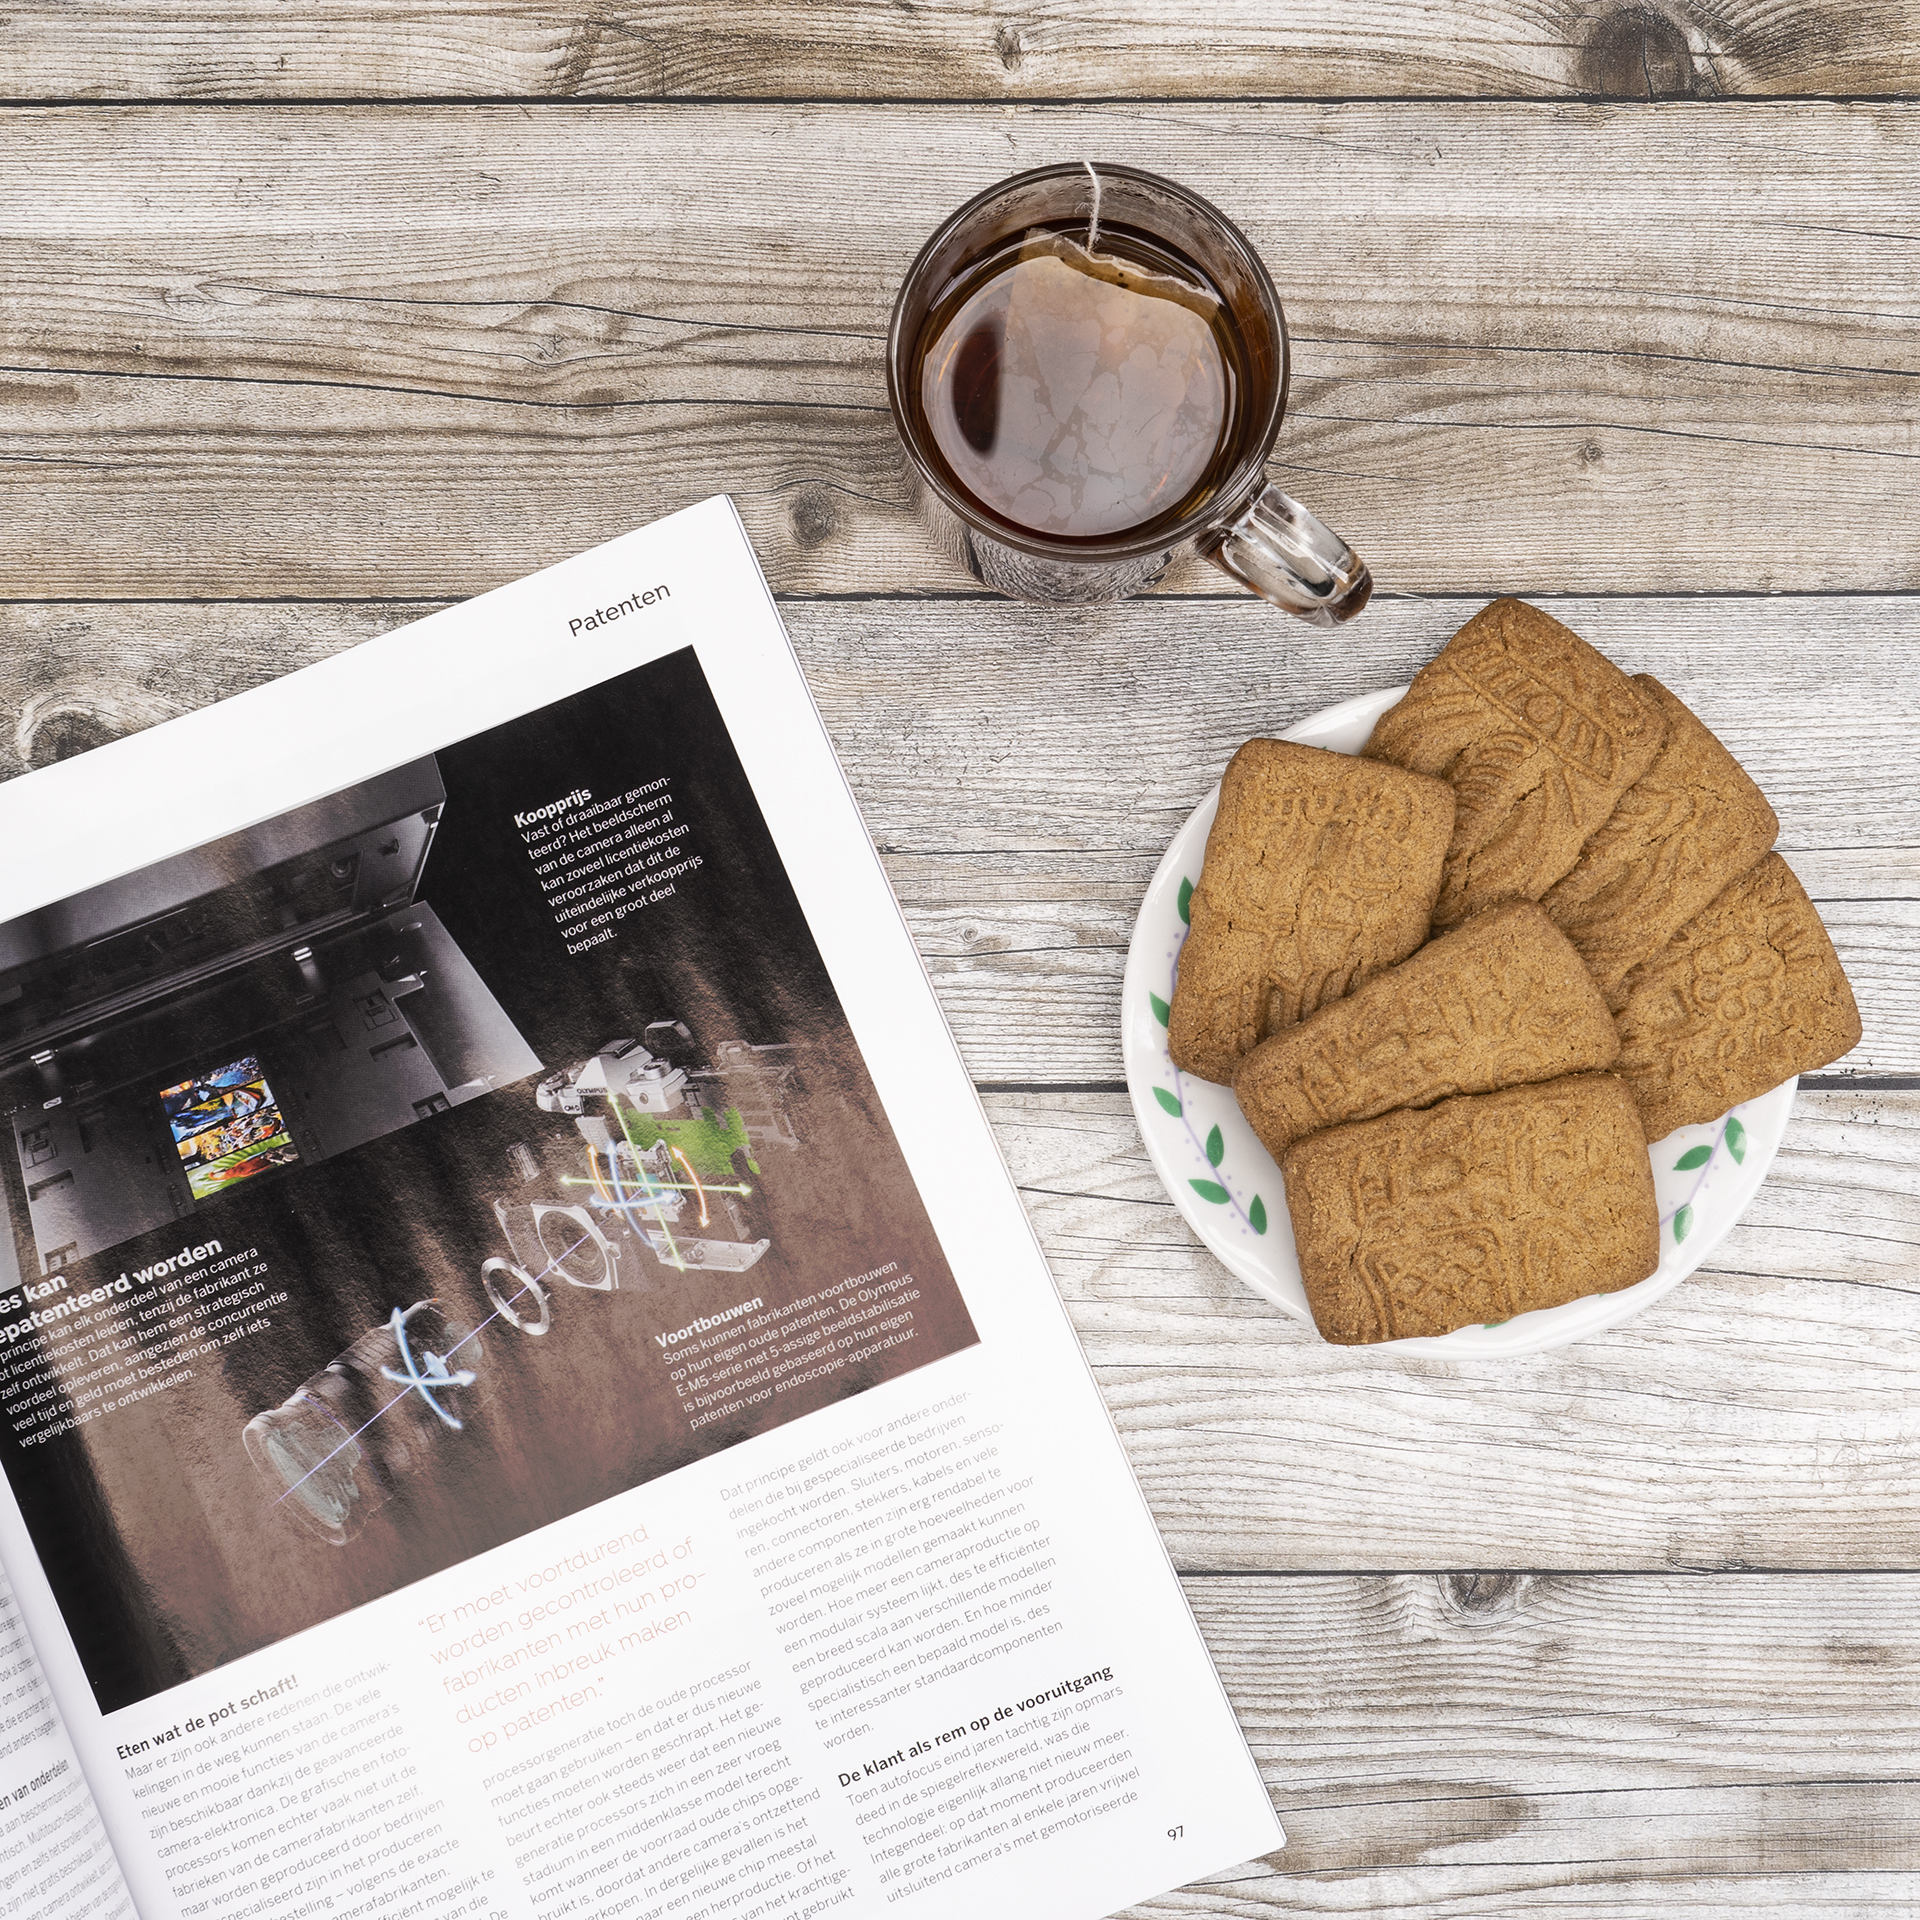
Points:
(1539, 1331)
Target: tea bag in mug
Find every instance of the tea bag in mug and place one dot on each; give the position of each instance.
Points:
(1079, 393)
(1088, 401)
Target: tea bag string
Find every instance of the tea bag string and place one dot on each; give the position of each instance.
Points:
(1093, 222)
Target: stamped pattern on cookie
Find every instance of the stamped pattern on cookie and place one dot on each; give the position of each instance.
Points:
(1319, 870)
(1743, 996)
(1477, 1210)
(1539, 736)
(1498, 1002)
(1688, 827)
(1579, 721)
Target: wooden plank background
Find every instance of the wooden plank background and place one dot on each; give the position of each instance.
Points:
(315, 319)
(308, 328)
(844, 50)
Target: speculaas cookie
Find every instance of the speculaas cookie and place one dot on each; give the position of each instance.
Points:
(1538, 734)
(1744, 995)
(1500, 1001)
(1473, 1211)
(1320, 869)
(1684, 831)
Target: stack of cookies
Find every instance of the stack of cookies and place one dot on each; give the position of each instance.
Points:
(1459, 983)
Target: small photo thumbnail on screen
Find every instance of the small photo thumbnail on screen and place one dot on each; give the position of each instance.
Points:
(227, 1126)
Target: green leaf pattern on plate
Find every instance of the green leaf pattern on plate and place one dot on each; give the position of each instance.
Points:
(1699, 1160)
(1173, 1103)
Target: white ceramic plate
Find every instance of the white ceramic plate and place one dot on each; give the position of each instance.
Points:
(1227, 1185)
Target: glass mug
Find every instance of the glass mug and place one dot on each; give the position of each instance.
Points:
(1113, 411)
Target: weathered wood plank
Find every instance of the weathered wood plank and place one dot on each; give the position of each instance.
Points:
(1735, 1681)
(1766, 1413)
(1686, 1833)
(1094, 731)
(1083, 792)
(1843, 1201)
(1100, 728)
(308, 329)
(1583, 1888)
(1499, 1744)
(944, 49)
(1841, 1205)
(1742, 1423)
(1091, 732)
(1521, 1893)
(1023, 770)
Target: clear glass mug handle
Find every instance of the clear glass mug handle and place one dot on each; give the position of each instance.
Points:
(1285, 555)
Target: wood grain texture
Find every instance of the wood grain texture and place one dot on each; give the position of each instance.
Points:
(1671, 1679)
(944, 49)
(417, 351)
(1094, 731)
(1766, 1413)
(1584, 1888)
(1324, 1665)
(1501, 1744)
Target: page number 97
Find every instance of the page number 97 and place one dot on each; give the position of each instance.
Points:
(1174, 1833)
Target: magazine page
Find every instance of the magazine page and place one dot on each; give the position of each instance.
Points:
(530, 1391)
(55, 1860)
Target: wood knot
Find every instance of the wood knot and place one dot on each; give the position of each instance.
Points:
(75, 715)
(1638, 53)
(1480, 1599)
(812, 517)
(1010, 43)
(573, 60)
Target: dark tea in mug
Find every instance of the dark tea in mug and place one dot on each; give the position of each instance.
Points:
(1082, 383)
(1088, 368)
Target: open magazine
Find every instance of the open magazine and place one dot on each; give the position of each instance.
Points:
(525, 1387)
